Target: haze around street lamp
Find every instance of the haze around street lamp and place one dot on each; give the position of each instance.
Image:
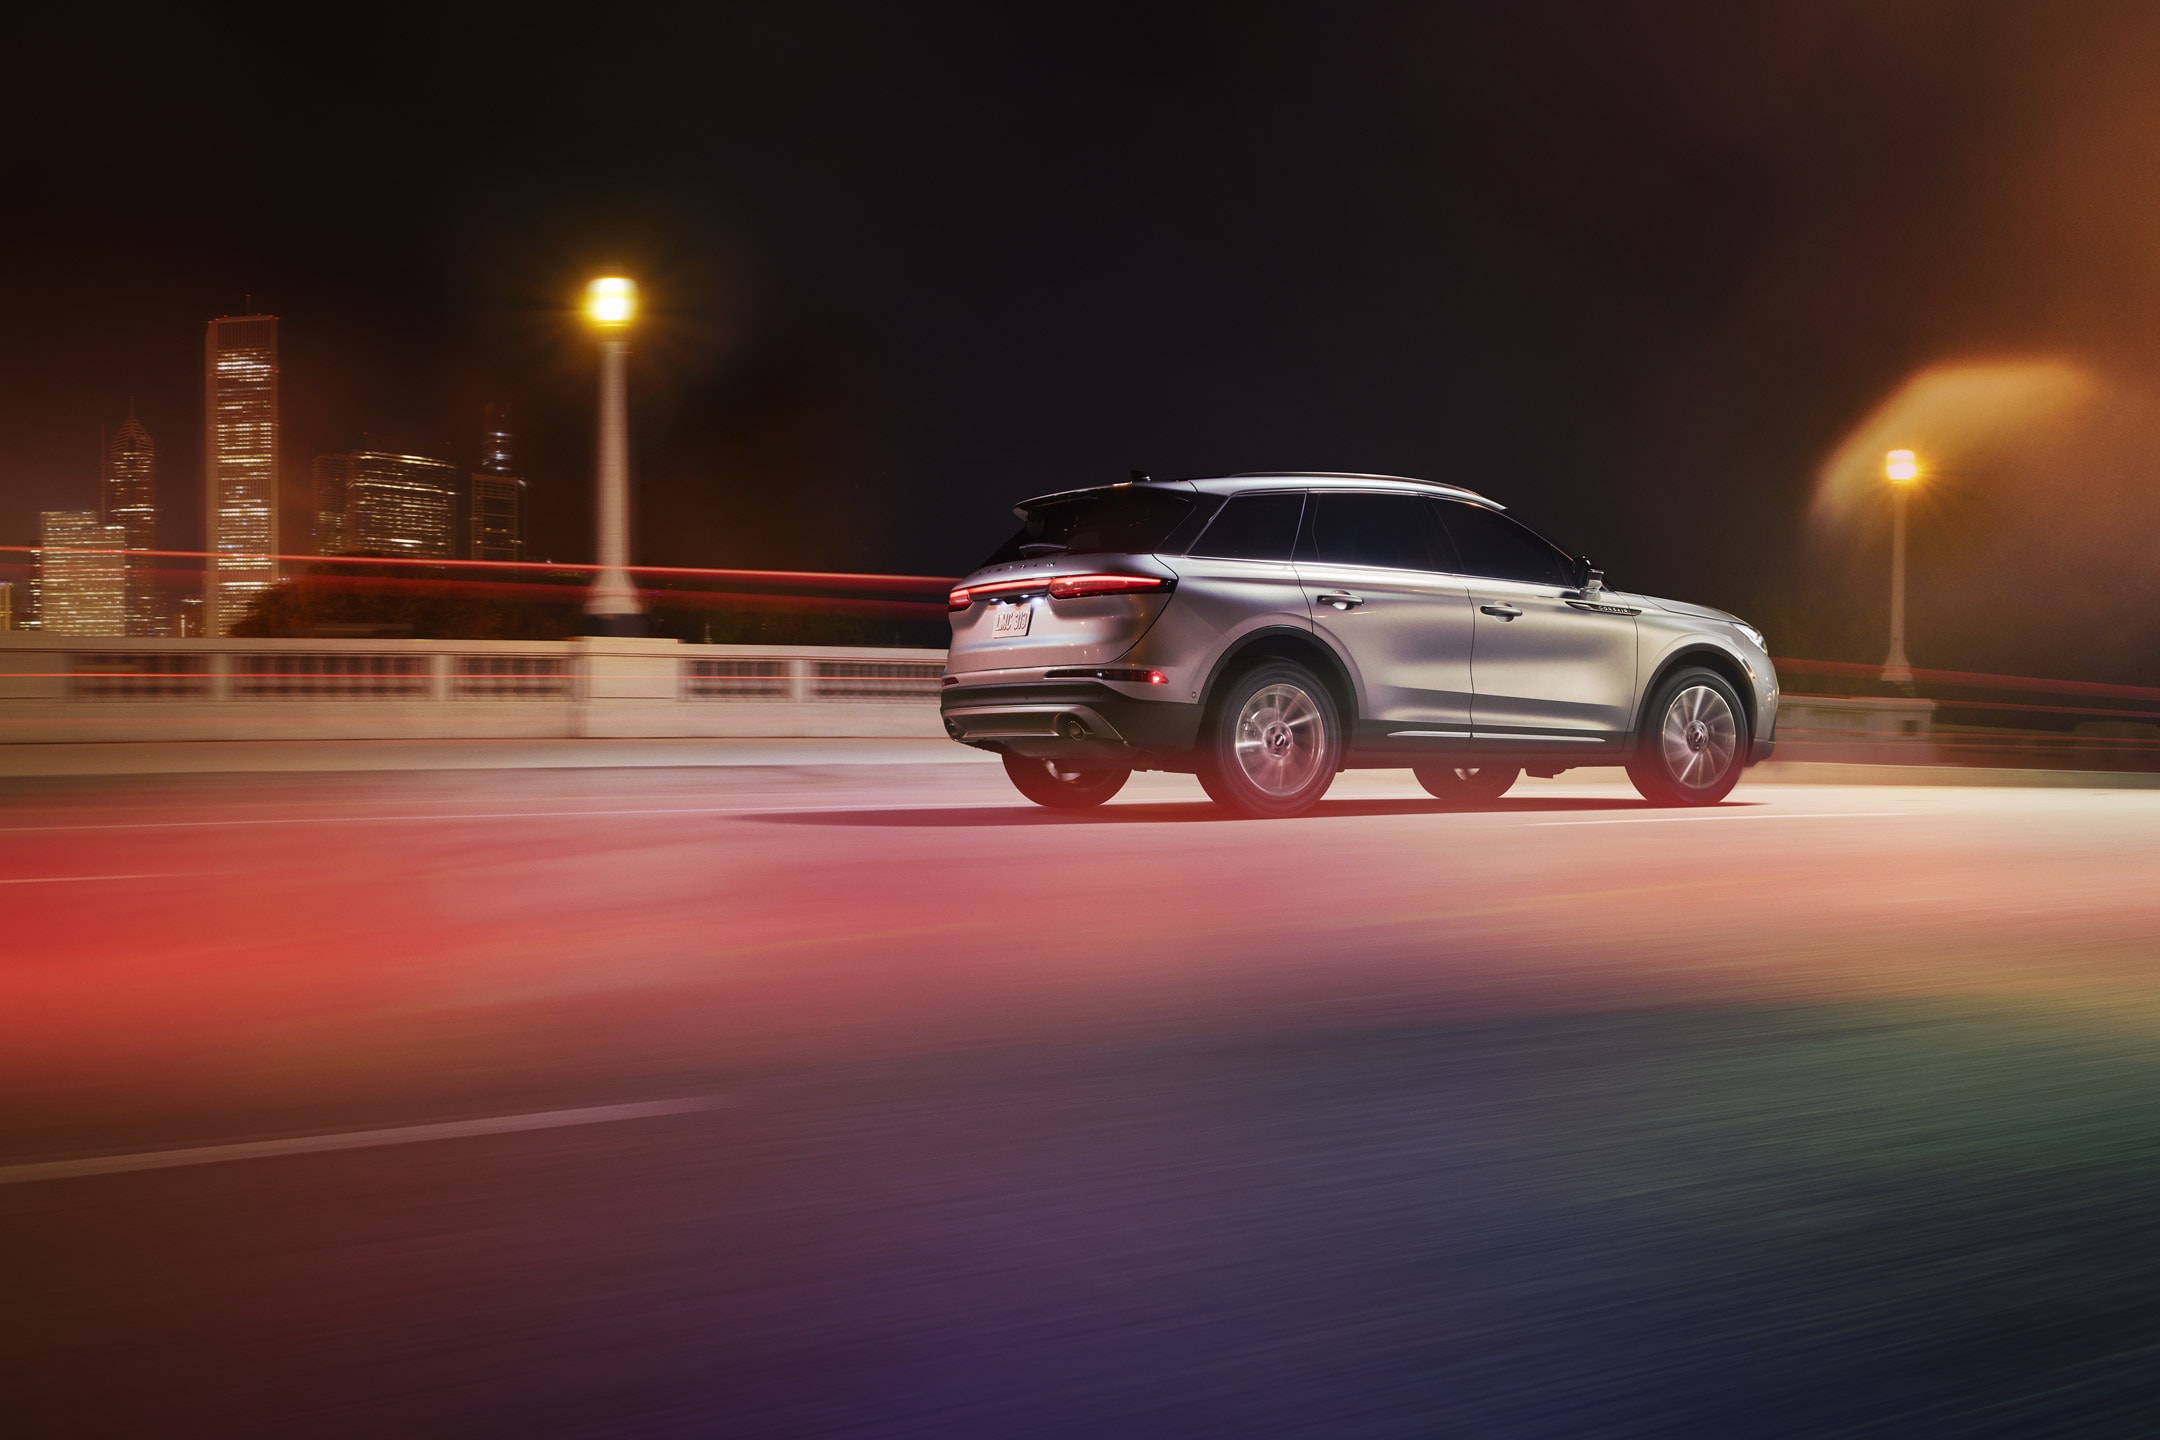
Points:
(611, 302)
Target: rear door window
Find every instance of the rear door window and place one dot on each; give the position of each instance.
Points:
(1394, 531)
(1120, 520)
(1498, 548)
(1254, 527)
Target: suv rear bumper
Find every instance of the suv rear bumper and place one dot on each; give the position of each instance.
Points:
(1069, 718)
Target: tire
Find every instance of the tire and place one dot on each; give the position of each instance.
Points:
(1693, 743)
(1271, 743)
(1060, 785)
(1467, 784)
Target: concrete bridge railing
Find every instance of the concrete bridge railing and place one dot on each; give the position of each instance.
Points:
(57, 689)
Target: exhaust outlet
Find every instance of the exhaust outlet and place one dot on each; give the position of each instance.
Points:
(1072, 727)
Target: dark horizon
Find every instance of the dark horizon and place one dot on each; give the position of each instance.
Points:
(1635, 271)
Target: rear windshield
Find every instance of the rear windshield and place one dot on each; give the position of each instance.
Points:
(1128, 519)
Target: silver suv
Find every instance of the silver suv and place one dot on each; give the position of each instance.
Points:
(1265, 631)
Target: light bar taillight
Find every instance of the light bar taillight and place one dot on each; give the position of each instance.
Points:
(1074, 587)
(1063, 587)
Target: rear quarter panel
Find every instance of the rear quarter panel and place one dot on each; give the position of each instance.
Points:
(1218, 603)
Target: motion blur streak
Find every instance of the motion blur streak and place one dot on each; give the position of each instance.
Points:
(1977, 719)
(346, 1140)
(1965, 677)
(1133, 1122)
(801, 592)
(550, 567)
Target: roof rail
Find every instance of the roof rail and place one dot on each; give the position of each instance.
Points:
(1141, 478)
(1344, 475)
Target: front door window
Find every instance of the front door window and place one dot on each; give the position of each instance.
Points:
(1545, 673)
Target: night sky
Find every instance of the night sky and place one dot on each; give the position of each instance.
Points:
(1636, 270)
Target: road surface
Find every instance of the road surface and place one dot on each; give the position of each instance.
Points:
(865, 1100)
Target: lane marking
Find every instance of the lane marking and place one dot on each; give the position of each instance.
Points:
(479, 815)
(1688, 819)
(362, 819)
(352, 1140)
(79, 879)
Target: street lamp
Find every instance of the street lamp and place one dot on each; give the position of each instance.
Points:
(1901, 468)
(611, 605)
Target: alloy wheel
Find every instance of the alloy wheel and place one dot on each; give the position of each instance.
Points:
(1280, 745)
(1700, 737)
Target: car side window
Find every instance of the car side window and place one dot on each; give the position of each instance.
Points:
(1254, 527)
(1350, 528)
(1498, 548)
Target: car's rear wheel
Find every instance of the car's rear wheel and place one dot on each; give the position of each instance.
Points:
(1467, 784)
(1693, 743)
(1272, 742)
(1063, 785)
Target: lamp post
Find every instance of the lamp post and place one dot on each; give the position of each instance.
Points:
(611, 605)
(1901, 468)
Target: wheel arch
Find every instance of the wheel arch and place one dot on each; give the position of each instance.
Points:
(1708, 657)
(1280, 642)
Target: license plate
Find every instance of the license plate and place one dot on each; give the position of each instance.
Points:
(1010, 620)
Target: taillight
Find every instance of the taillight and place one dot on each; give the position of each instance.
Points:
(959, 599)
(1073, 587)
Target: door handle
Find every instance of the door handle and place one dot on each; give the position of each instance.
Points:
(1504, 612)
(1341, 600)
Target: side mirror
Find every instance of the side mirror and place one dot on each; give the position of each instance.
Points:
(1587, 577)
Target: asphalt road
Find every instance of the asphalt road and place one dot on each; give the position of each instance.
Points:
(865, 1100)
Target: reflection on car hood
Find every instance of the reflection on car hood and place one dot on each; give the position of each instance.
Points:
(1681, 607)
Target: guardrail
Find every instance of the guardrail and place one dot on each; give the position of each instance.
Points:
(56, 689)
(1839, 711)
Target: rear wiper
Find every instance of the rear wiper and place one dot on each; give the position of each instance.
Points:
(1041, 547)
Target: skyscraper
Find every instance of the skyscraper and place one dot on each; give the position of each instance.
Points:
(331, 473)
(82, 574)
(497, 513)
(131, 503)
(368, 502)
(240, 465)
(495, 450)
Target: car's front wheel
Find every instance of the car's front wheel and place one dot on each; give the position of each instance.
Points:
(1467, 784)
(1693, 743)
(1272, 742)
(1061, 785)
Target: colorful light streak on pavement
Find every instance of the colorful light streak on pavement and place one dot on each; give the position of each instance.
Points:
(1572, 1117)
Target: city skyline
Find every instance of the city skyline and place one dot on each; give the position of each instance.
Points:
(333, 419)
(401, 504)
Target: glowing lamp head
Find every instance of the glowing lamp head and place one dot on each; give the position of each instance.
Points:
(1901, 467)
(611, 302)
